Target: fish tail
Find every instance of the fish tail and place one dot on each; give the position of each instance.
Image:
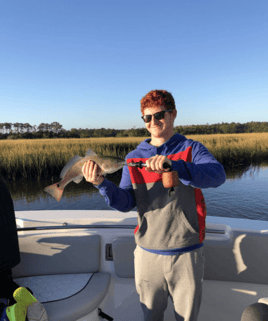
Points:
(54, 191)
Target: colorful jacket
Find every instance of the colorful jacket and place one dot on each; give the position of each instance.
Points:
(167, 225)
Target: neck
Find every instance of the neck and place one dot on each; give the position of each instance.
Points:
(158, 141)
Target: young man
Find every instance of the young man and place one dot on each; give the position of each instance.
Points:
(169, 257)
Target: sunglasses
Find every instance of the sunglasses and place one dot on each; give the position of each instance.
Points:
(157, 116)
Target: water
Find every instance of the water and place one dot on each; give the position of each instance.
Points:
(243, 195)
(240, 197)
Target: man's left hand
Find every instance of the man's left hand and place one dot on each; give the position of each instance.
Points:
(155, 164)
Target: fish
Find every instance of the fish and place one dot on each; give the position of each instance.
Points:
(72, 171)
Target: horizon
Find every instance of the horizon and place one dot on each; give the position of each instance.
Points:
(88, 64)
(134, 127)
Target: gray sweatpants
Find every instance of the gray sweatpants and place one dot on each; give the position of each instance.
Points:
(180, 276)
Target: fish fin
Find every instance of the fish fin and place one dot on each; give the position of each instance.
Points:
(54, 191)
(68, 166)
(78, 179)
(90, 152)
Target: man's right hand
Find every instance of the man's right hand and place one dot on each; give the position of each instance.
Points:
(92, 173)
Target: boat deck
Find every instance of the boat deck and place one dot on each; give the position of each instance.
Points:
(78, 262)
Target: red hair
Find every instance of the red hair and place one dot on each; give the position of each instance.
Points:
(156, 98)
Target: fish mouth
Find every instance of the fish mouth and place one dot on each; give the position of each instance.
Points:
(115, 168)
(121, 164)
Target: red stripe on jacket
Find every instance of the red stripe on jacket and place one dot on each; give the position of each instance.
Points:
(141, 176)
(201, 213)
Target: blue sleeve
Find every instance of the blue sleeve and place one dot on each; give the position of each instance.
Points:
(121, 198)
(203, 172)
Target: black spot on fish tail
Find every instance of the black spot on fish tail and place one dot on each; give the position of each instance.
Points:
(54, 191)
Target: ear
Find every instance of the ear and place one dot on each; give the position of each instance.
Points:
(174, 114)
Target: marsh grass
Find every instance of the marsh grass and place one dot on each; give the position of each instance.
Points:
(233, 150)
(44, 158)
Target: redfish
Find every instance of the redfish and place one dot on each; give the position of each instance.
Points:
(72, 171)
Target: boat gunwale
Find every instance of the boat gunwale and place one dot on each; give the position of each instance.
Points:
(87, 226)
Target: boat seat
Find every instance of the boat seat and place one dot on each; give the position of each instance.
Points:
(68, 297)
(123, 248)
(63, 271)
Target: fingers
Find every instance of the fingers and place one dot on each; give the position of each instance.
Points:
(87, 170)
(156, 162)
(92, 173)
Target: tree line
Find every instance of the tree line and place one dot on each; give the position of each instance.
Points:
(55, 130)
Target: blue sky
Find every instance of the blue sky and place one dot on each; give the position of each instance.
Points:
(87, 64)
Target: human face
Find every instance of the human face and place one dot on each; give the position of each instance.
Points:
(160, 130)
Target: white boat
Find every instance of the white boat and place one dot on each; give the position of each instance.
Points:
(80, 265)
